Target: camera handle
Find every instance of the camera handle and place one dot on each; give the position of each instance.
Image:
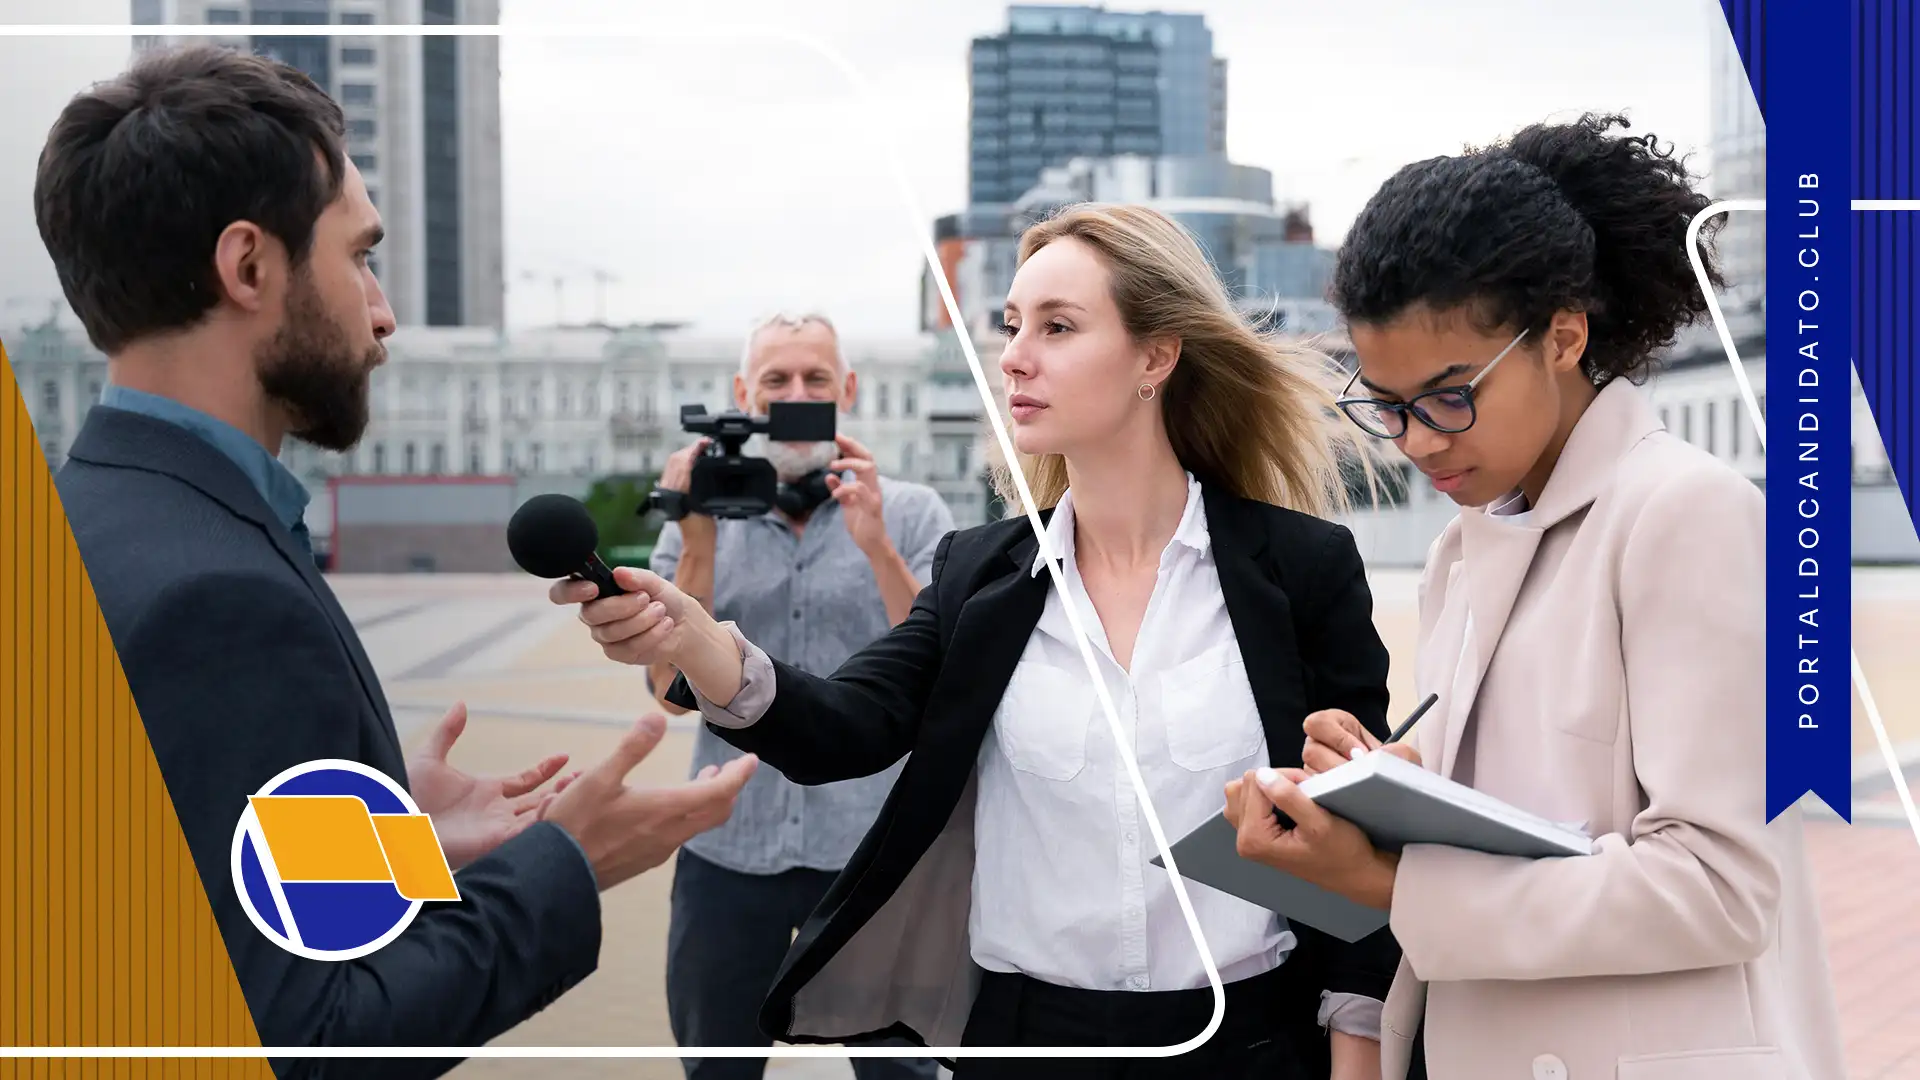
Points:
(675, 505)
(671, 504)
(725, 444)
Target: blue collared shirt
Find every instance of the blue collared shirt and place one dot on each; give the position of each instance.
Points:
(285, 495)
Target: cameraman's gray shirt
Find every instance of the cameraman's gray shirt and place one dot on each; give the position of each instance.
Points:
(810, 602)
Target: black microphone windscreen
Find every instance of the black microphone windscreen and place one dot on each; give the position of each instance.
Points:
(552, 536)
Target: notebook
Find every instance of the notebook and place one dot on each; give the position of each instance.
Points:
(1396, 803)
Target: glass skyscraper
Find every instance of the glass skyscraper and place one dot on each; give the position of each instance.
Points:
(1064, 82)
(423, 127)
(313, 55)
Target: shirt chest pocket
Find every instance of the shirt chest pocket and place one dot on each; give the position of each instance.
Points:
(1207, 708)
(1044, 720)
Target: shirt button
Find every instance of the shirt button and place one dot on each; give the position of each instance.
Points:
(1129, 839)
(1138, 982)
(1548, 1067)
(796, 613)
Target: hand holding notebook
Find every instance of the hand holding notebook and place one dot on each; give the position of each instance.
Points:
(1393, 802)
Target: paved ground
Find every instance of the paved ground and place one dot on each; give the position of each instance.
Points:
(535, 684)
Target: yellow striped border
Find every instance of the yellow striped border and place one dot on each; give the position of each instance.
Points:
(106, 937)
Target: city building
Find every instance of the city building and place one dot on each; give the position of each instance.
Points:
(1264, 251)
(554, 410)
(562, 407)
(421, 524)
(1065, 81)
(1738, 170)
(960, 440)
(423, 127)
(1071, 104)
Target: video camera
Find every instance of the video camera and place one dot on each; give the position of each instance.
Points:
(729, 484)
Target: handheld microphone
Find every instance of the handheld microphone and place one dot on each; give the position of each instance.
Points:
(553, 536)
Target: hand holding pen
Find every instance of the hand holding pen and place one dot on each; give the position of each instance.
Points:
(1278, 825)
(1335, 737)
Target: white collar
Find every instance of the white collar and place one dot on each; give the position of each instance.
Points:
(1192, 530)
(1513, 509)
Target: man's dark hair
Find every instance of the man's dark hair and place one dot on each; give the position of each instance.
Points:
(1558, 217)
(141, 174)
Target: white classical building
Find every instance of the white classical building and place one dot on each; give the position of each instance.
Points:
(558, 408)
(566, 406)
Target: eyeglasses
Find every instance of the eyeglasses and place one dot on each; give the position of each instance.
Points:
(1448, 409)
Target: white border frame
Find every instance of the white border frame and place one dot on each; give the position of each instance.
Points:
(682, 32)
(671, 31)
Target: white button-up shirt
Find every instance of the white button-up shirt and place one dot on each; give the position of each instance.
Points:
(1063, 889)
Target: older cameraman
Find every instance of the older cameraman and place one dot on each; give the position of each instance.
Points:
(811, 583)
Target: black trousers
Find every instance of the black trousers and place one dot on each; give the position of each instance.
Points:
(726, 935)
(1269, 1031)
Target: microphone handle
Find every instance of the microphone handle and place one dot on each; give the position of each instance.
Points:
(599, 573)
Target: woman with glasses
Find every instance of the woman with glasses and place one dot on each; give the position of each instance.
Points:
(1592, 622)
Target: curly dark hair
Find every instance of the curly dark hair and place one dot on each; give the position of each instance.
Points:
(1558, 217)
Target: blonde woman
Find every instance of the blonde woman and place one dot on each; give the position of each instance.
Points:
(1006, 895)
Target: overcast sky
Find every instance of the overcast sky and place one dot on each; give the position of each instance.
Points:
(718, 179)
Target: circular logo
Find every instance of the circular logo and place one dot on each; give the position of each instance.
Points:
(332, 860)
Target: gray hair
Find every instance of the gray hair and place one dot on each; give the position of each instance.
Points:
(790, 321)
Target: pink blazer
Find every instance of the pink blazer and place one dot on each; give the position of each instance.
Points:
(1602, 662)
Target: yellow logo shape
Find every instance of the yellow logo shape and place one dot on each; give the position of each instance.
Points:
(317, 838)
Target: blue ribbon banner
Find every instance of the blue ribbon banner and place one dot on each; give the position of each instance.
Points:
(1806, 89)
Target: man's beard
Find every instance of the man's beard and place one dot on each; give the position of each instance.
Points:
(795, 460)
(309, 367)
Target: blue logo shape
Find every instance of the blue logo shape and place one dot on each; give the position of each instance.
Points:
(332, 860)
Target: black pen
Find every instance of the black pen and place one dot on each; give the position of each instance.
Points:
(1420, 711)
(1408, 723)
(1404, 725)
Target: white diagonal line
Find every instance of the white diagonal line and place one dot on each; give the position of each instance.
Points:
(1886, 747)
(271, 871)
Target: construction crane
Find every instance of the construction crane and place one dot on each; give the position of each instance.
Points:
(558, 279)
(601, 279)
(559, 282)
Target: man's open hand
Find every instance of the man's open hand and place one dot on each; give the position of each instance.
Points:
(472, 815)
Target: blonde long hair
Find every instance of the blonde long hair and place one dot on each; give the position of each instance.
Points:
(1242, 409)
